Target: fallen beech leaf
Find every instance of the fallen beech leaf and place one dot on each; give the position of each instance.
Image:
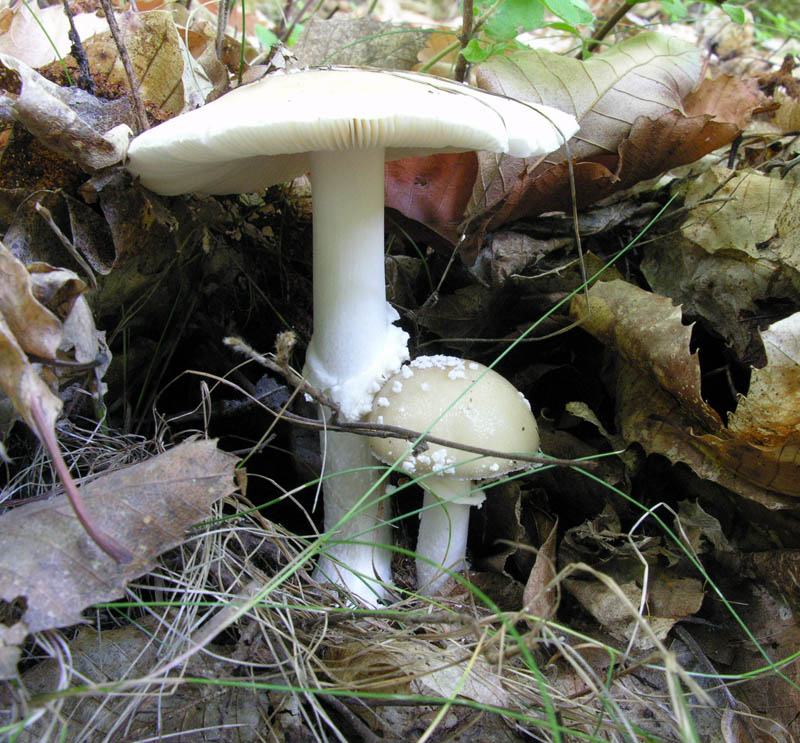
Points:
(47, 558)
(752, 213)
(647, 75)
(359, 42)
(761, 442)
(51, 114)
(154, 47)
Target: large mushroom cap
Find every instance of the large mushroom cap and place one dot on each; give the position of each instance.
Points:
(260, 134)
(490, 413)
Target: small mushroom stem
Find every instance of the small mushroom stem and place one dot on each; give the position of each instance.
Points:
(354, 346)
(443, 529)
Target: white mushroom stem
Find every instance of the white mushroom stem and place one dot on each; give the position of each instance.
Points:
(354, 347)
(443, 530)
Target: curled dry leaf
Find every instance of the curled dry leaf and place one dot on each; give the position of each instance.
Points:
(540, 596)
(26, 326)
(760, 443)
(47, 559)
(55, 116)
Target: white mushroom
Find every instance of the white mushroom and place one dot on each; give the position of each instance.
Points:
(466, 403)
(341, 125)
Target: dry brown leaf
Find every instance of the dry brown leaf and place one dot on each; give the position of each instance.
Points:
(751, 213)
(25, 327)
(433, 190)
(131, 652)
(11, 638)
(646, 76)
(727, 288)
(540, 596)
(761, 442)
(405, 666)
(645, 330)
(47, 558)
(154, 47)
(669, 599)
(359, 42)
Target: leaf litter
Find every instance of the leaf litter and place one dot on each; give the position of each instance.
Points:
(652, 381)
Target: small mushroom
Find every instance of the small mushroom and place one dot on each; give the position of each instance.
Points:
(466, 403)
(341, 125)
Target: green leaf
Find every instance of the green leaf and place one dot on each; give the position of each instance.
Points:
(574, 12)
(513, 17)
(475, 53)
(734, 12)
(674, 8)
(265, 37)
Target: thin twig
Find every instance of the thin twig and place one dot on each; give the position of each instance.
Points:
(605, 29)
(111, 19)
(85, 79)
(460, 73)
(378, 430)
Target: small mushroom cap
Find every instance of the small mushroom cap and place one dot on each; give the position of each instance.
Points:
(491, 414)
(260, 134)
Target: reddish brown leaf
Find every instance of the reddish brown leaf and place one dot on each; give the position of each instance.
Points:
(433, 190)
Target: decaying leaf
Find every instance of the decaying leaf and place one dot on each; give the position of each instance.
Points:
(154, 47)
(409, 667)
(61, 119)
(359, 42)
(26, 326)
(11, 637)
(669, 598)
(47, 558)
(462, 314)
(761, 442)
(752, 214)
(131, 652)
(641, 111)
(540, 596)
